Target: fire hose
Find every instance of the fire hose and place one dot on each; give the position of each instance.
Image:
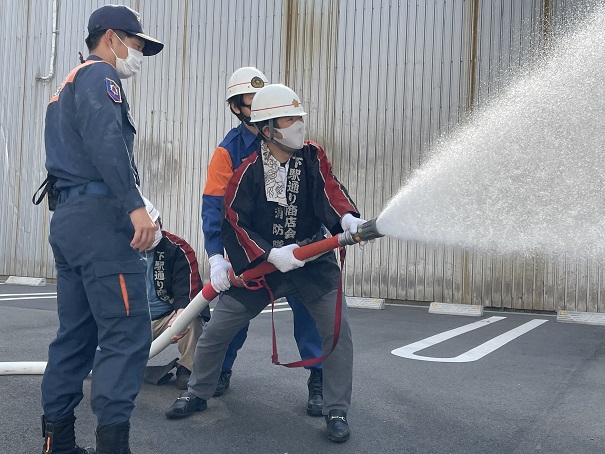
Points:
(365, 232)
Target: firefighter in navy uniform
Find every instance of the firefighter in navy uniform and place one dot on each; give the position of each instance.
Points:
(97, 234)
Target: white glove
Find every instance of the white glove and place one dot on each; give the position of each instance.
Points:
(351, 223)
(219, 273)
(283, 258)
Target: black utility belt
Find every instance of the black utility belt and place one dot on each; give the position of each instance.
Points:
(94, 187)
(55, 195)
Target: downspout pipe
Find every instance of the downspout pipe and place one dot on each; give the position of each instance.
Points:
(53, 49)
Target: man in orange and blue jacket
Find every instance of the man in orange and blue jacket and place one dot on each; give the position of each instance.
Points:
(240, 143)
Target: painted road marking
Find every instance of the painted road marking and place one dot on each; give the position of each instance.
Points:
(409, 351)
(33, 296)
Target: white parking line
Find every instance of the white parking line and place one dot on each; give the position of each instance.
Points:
(409, 351)
(34, 296)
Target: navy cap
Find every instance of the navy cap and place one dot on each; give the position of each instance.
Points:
(118, 17)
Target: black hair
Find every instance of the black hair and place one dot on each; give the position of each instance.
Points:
(92, 40)
(238, 101)
(261, 124)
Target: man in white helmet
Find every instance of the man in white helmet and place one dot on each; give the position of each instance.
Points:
(240, 143)
(279, 198)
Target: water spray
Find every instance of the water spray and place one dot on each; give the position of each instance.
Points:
(366, 232)
(525, 175)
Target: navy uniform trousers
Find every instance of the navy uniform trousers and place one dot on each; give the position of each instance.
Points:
(102, 302)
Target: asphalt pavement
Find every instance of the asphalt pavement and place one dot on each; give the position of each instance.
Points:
(514, 383)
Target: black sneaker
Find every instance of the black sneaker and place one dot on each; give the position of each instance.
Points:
(315, 404)
(338, 427)
(182, 377)
(187, 404)
(223, 384)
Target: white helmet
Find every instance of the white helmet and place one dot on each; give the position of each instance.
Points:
(245, 80)
(275, 101)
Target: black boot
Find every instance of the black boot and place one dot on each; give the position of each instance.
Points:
(182, 377)
(315, 403)
(113, 439)
(223, 384)
(60, 438)
(338, 427)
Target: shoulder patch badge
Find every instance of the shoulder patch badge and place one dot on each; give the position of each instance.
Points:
(113, 90)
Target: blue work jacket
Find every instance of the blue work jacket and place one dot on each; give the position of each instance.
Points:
(89, 133)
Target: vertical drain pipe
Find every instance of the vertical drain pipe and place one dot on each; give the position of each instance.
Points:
(291, 8)
(53, 49)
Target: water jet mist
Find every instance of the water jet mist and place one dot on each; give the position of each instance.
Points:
(526, 175)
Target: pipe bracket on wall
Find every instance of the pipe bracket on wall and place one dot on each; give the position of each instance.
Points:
(53, 49)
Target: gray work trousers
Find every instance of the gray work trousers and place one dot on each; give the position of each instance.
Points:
(230, 315)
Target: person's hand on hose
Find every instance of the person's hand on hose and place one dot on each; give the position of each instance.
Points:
(180, 335)
(351, 223)
(283, 258)
(219, 273)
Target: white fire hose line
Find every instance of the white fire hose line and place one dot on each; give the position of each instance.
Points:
(367, 231)
(23, 368)
(192, 310)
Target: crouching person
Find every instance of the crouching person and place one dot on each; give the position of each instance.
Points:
(173, 280)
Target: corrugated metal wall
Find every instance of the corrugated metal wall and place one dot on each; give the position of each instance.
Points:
(381, 79)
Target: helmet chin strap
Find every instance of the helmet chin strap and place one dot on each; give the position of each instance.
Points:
(240, 116)
(271, 139)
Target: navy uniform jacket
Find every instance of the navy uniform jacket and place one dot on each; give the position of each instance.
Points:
(89, 133)
(253, 225)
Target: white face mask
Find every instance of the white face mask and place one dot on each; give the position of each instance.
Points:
(293, 136)
(129, 66)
